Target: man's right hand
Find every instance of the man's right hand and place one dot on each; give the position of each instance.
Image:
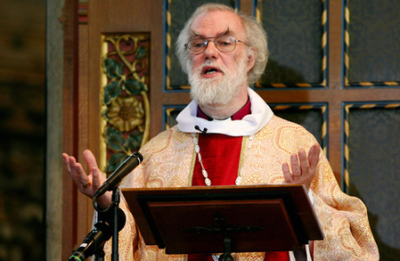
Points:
(87, 184)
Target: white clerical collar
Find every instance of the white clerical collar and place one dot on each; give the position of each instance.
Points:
(260, 115)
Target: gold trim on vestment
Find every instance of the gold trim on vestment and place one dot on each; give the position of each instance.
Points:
(193, 162)
(242, 156)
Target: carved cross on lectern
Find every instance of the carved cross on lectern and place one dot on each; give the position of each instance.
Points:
(222, 226)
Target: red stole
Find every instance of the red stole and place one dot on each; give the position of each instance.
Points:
(221, 156)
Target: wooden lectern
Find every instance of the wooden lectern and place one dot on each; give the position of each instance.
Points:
(221, 219)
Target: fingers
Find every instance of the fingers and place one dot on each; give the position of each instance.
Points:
(69, 163)
(98, 178)
(303, 166)
(66, 162)
(286, 173)
(95, 173)
(88, 184)
(81, 174)
(294, 162)
(90, 159)
(75, 170)
(313, 156)
(295, 167)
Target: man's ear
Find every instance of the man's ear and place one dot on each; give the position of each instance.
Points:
(251, 59)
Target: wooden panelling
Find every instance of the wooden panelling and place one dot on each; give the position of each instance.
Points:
(297, 41)
(372, 163)
(372, 49)
(162, 21)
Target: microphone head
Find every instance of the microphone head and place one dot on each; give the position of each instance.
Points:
(138, 156)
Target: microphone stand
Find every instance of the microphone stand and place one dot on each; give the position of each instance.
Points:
(99, 255)
(115, 199)
(115, 202)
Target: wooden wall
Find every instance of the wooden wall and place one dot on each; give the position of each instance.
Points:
(329, 61)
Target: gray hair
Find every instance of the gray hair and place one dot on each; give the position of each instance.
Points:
(256, 38)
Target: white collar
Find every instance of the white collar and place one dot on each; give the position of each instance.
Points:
(260, 115)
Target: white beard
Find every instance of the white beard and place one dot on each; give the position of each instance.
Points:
(217, 91)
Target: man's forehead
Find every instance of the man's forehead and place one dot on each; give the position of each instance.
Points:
(223, 32)
(215, 23)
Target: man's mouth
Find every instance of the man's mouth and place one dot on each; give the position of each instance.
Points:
(210, 70)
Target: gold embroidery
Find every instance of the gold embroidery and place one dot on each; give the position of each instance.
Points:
(342, 218)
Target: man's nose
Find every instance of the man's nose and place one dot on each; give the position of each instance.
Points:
(211, 50)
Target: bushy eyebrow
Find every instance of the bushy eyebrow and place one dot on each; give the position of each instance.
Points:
(194, 34)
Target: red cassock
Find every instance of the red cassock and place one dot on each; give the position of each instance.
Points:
(221, 155)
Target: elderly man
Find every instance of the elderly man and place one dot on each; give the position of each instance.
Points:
(229, 136)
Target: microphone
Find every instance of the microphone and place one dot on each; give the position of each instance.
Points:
(98, 236)
(203, 132)
(124, 169)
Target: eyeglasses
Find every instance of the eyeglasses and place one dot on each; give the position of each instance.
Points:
(223, 43)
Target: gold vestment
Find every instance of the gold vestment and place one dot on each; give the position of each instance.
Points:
(169, 160)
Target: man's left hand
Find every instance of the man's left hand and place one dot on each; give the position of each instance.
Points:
(303, 167)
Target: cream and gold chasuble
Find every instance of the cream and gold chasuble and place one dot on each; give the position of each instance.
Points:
(169, 159)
